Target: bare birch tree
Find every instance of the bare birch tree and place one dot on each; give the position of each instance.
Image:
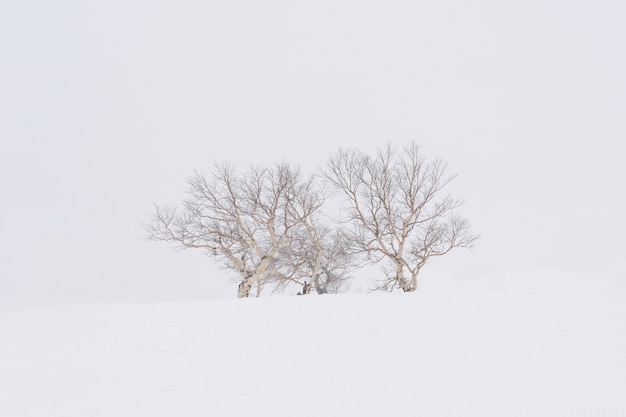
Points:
(400, 214)
(319, 258)
(245, 222)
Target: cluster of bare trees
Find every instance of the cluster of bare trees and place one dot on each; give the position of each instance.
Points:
(268, 225)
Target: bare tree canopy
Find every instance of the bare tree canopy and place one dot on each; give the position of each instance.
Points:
(320, 258)
(400, 214)
(268, 227)
(264, 225)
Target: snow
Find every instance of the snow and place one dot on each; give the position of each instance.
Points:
(533, 348)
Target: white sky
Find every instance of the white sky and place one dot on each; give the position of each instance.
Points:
(107, 107)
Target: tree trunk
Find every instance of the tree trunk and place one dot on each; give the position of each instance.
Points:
(400, 280)
(318, 286)
(413, 281)
(244, 288)
(251, 278)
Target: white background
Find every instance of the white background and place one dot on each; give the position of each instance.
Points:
(107, 107)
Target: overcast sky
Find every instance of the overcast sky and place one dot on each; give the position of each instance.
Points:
(108, 106)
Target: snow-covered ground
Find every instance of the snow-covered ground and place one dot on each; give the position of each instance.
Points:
(542, 349)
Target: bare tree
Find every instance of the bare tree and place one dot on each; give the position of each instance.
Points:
(399, 213)
(245, 222)
(335, 261)
(319, 258)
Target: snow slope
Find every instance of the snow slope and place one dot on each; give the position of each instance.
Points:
(452, 351)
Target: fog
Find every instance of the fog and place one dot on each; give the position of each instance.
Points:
(108, 107)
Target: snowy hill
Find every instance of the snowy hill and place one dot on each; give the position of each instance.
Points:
(483, 351)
